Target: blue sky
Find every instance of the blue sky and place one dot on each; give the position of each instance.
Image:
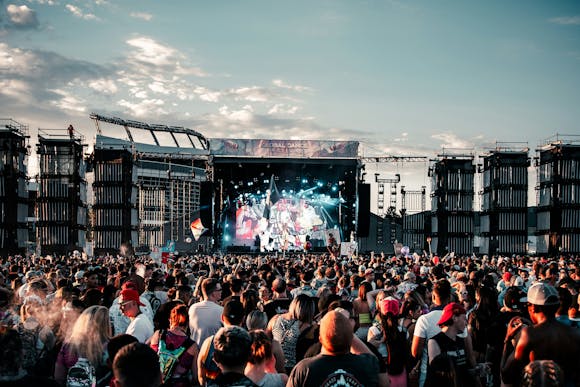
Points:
(403, 77)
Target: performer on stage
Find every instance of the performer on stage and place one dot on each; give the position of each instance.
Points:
(333, 247)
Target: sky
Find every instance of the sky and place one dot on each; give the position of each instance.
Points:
(401, 77)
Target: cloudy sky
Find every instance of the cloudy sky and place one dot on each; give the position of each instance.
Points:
(402, 77)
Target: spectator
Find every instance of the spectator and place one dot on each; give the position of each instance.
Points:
(11, 371)
(205, 316)
(261, 367)
(547, 339)
(542, 373)
(343, 357)
(177, 352)
(88, 339)
(140, 326)
(136, 365)
(452, 322)
(286, 328)
(232, 350)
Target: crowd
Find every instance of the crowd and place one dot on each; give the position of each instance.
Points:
(290, 320)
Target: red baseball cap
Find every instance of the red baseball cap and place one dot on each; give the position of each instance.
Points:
(450, 310)
(130, 295)
(389, 305)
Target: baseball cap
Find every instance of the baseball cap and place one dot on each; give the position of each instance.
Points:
(362, 269)
(369, 271)
(389, 304)
(130, 295)
(543, 294)
(450, 310)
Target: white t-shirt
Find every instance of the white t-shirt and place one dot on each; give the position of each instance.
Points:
(426, 327)
(120, 322)
(205, 319)
(141, 328)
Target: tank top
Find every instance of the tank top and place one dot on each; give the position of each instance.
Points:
(287, 332)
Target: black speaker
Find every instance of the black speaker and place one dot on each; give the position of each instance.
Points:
(205, 205)
(364, 210)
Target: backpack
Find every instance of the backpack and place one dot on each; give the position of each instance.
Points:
(154, 301)
(81, 374)
(169, 358)
(29, 338)
(209, 366)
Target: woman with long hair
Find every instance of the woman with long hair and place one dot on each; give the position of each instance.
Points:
(88, 339)
(363, 310)
(481, 318)
(410, 312)
(174, 343)
(391, 341)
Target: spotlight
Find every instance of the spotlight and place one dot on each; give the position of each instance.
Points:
(320, 184)
(304, 180)
(334, 188)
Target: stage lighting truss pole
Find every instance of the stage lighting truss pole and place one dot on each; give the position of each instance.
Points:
(381, 194)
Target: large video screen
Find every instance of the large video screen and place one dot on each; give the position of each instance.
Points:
(286, 224)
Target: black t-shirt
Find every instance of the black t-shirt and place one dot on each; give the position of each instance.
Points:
(455, 349)
(345, 370)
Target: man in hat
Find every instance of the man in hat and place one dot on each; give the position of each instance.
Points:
(453, 321)
(140, 326)
(547, 339)
(344, 360)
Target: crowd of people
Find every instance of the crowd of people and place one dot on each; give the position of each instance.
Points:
(291, 320)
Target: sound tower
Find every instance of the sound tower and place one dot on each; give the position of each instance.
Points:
(206, 205)
(364, 210)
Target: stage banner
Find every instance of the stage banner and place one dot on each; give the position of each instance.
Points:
(283, 148)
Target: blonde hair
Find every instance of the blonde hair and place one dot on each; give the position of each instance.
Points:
(90, 334)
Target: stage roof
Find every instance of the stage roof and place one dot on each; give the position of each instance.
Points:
(284, 149)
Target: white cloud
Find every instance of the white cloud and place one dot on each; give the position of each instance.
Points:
(43, 2)
(159, 87)
(148, 55)
(22, 16)
(16, 61)
(566, 20)
(252, 94)
(152, 52)
(16, 89)
(68, 101)
(206, 94)
(104, 86)
(76, 11)
(141, 15)
(403, 138)
(145, 108)
(451, 140)
(280, 83)
(246, 114)
(281, 108)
